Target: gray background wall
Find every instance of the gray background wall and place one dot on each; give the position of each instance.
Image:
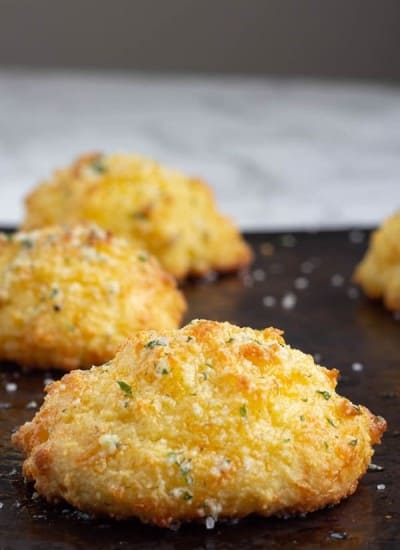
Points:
(335, 38)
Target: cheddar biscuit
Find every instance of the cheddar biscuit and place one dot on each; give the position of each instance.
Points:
(378, 273)
(210, 421)
(156, 208)
(69, 296)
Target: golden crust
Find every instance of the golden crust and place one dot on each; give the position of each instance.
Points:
(379, 271)
(70, 296)
(211, 420)
(158, 209)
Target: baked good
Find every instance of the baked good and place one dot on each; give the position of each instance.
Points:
(378, 273)
(209, 421)
(161, 210)
(69, 296)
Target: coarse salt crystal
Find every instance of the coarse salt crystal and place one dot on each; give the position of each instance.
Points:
(210, 522)
(289, 300)
(356, 236)
(31, 405)
(381, 487)
(307, 267)
(353, 293)
(11, 387)
(269, 301)
(109, 443)
(357, 367)
(337, 280)
(300, 283)
(259, 275)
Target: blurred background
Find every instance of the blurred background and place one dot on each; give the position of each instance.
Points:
(290, 109)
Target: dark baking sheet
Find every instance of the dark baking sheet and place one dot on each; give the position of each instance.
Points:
(328, 319)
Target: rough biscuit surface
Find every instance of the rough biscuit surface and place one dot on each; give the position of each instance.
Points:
(70, 296)
(208, 421)
(161, 210)
(379, 272)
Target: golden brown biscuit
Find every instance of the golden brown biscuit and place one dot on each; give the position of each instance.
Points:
(208, 421)
(158, 209)
(70, 296)
(379, 272)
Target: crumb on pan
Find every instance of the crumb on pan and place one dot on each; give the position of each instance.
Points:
(210, 421)
(69, 296)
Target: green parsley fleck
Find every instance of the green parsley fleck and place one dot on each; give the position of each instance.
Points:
(325, 394)
(139, 215)
(305, 399)
(143, 257)
(54, 292)
(353, 442)
(125, 387)
(230, 340)
(189, 338)
(331, 422)
(326, 445)
(243, 411)
(187, 496)
(98, 166)
(165, 371)
(286, 440)
(27, 243)
(183, 465)
(153, 343)
(302, 417)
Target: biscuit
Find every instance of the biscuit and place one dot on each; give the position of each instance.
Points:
(158, 209)
(378, 273)
(70, 296)
(210, 421)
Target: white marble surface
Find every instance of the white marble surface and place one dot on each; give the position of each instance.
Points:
(279, 153)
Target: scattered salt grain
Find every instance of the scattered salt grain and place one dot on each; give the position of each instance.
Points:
(317, 357)
(289, 300)
(1, 505)
(353, 293)
(48, 381)
(247, 280)
(259, 275)
(375, 468)
(269, 301)
(380, 487)
(300, 283)
(288, 241)
(357, 367)
(11, 387)
(338, 535)
(210, 522)
(31, 405)
(307, 267)
(337, 280)
(356, 236)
